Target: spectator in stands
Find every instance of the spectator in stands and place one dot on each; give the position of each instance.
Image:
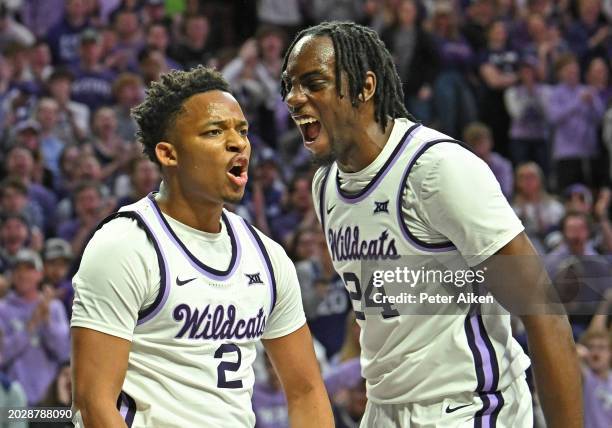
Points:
(66, 179)
(526, 103)
(90, 207)
(254, 76)
(39, 16)
(113, 153)
(454, 102)
(144, 177)
(130, 41)
(51, 145)
(498, 66)
(193, 49)
(589, 35)
(574, 111)
(151, 65)
(11, 396)
(594, 351)
(479, 15)
(269, 402)
(158, 39)
(598, 77)
(57, 256)
(92, 78)
(480, 138)
(20, 164)
(349, 413)
(35, 329)
(58, 395)
(40, 61)
(299, 211)
(326, 301)
(14, 200)
(128, 91)
(73, 117)
(539, 211)
(64, 37)
(15, 235)
(267, 190)
(416, 58)
(547, 44)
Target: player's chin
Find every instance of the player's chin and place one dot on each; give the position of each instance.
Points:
(234, 197)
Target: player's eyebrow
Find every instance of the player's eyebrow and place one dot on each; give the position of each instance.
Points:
(304, 76)
(223, 123)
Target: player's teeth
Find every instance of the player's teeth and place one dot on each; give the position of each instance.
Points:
(305, 121)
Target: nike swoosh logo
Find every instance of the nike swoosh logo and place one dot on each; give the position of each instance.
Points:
(183, 282)
(450, 409)
(330, 209)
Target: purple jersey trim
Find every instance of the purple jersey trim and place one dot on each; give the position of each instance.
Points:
(164, 280)
(353, 198)
(419, 244)
(127, 408)
(322, 208)
(265, 257)
(205, 270)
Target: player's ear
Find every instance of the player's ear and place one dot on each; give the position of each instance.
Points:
(369, 87)
(166, 153)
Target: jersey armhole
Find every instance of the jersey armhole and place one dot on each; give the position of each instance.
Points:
(266, 259)
(408, 235)
(322, 198)
(144, 314)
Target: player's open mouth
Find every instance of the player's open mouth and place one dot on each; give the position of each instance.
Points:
(238, 169)
(309, 127)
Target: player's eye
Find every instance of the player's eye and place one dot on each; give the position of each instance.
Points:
(244, 132)
(212, 133)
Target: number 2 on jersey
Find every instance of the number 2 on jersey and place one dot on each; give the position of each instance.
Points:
(228, 366)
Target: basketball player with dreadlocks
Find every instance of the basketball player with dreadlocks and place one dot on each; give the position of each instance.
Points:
(391, 186)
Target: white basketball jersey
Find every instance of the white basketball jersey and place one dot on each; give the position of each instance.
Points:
(411, 358)
(192, 353)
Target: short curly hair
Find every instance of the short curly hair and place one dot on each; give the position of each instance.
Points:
(165, 99)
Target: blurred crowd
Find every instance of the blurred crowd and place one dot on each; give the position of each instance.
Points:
(525, 83)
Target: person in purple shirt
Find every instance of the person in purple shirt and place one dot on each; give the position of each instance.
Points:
(589, 35)
(453, 99)
(525, 103)
(594, 350)
(480, 138)
(34, 327)
(575, 112)
(92, 84)
(64, 37)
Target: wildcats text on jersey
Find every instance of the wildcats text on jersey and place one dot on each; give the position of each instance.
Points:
(218, 323)
(345, 244)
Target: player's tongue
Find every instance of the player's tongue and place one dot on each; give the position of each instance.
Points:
(311, 130)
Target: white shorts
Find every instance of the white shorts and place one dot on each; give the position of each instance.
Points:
(510, 408)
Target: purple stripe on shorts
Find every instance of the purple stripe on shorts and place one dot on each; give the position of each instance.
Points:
(484, 353)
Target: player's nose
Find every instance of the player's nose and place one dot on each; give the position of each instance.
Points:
(295, 99)
(236, 142)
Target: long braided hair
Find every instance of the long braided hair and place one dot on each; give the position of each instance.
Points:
(358, 49)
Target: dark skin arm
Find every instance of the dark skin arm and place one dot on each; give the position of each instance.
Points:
(99, 363)
(522, 286)
(295, 363)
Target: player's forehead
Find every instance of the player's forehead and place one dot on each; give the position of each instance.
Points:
(312, 53)
(211, 106)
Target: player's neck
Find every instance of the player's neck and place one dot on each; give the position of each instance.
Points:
(364, 147)
(201, 215)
